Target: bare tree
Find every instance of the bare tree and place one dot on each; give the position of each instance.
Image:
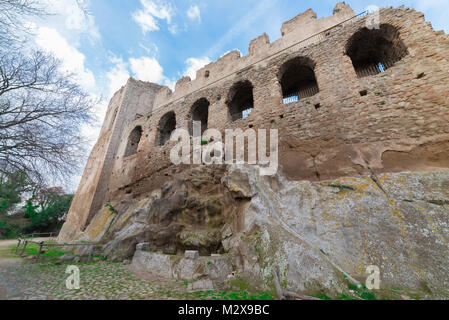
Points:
(41, 108)
(41, 112)
(12, 16)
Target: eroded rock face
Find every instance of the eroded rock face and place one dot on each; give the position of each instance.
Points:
(185, 215)
(319, 234)
(316, 232)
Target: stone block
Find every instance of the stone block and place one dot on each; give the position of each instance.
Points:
(142, 246)
(201, 285)
(156, 264)
(191, 254)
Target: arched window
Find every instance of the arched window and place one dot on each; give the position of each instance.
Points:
(133, 141)
(240, 100)
(167, 125)
(199, 113)
(374, 51)
(297, 78)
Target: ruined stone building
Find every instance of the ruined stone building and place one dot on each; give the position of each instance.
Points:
(362, 115)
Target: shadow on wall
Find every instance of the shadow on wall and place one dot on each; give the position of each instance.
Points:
(166, 126)
(374, 51)
(133, 141)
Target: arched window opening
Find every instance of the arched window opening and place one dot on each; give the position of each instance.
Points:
(167, 125)
(298, 81)
(199, 113)
(133, 141)
(374, 51)
(241, 100)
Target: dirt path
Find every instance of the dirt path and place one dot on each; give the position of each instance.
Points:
(8, 262)
(21, 279)
(5, 260)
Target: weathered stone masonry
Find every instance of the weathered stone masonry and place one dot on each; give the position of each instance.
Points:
(388, 122)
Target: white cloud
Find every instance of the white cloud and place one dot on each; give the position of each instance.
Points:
(152, 11)
(194, 13)
(436, 11)
(117, 76)
(143, 68)
(145, 21)
(151, 49)
(195, 64)
(147, 69)
(170, 83)
(60, 33)
(72, 60)
(71, 18)
(174, 29)
(91, 131)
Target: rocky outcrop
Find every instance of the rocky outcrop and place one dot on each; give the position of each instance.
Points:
(184, 215)
(319, 234)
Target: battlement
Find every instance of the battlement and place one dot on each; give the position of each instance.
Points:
(299, 28)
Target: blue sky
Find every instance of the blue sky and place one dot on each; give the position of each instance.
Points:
(188, 33)
(168, 39)
(162, 40)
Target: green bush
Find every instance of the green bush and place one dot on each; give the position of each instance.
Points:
(42, 213)
(47, 215)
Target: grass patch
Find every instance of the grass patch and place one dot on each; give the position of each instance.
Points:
(362, 292)
(323, 296)
(111, 208)
(33, 248)
(7, 252)
(345, 297)
(240, 284)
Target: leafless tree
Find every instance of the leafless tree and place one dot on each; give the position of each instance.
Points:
(13, 14)
(41, 113)
(41, 108)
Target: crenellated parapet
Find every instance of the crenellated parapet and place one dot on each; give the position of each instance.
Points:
(300, 28)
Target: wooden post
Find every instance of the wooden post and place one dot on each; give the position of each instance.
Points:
(18, 244)
(24, 247)
(39, 252)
